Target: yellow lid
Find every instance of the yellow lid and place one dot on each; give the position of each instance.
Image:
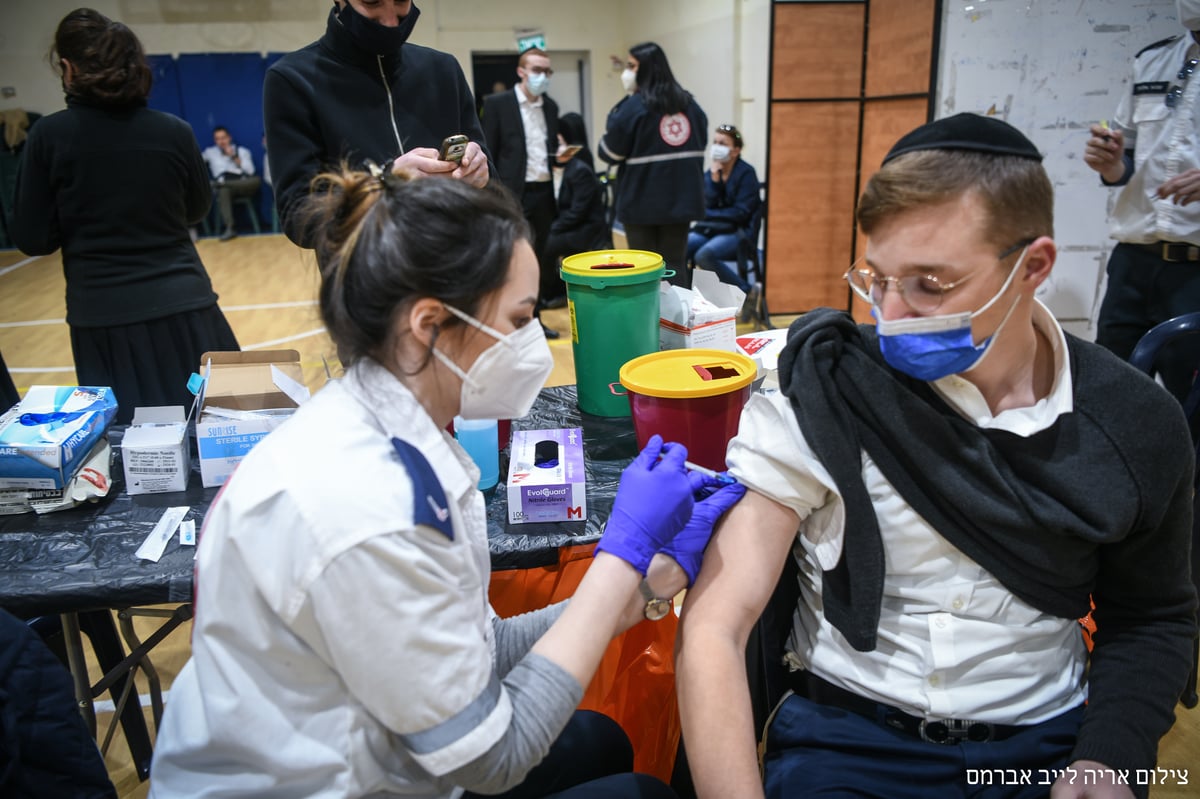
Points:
(610, 264)
(687, 373)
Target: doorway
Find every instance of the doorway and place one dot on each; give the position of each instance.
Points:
(493, 72)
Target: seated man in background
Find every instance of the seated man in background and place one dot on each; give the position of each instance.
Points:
(730, 200)
(953, 484)
(233, 175)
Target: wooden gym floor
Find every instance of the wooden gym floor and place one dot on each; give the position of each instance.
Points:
(267, 289)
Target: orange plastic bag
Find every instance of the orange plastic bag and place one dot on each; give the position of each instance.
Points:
(635, 682)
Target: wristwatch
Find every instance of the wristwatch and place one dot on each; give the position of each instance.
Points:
(656, 607)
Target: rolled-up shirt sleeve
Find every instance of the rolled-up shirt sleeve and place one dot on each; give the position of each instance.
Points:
(771, 456)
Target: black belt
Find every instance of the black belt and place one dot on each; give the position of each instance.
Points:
(1173, 252)
(938, 731)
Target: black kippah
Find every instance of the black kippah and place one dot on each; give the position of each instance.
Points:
(966, 132)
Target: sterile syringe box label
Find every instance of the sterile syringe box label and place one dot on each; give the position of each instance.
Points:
(547, 481)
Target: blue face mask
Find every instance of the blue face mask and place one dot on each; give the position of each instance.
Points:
(932, 347)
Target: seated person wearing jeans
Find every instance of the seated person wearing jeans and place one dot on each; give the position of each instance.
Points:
(233, 175)
(953, 484)
(730, 200)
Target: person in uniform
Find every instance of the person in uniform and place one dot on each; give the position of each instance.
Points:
(657, 136)
(364, 92)
(344, 645)
(1152, 151)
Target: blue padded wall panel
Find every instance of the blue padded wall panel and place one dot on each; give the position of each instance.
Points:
(164, 93)
(224, 89)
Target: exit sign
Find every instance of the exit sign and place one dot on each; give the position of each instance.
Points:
(537, 40)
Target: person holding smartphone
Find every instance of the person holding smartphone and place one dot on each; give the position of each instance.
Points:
(579, 226)
(363, 92)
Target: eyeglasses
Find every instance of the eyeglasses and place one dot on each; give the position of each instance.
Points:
(1176, 91)
(541, 71)
(921, 293)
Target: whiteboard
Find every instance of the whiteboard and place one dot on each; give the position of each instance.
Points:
(1052, 68)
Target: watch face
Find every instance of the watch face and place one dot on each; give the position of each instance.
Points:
(657, 609)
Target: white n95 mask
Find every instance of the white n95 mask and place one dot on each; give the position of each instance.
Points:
(505, 379)
(629, 81)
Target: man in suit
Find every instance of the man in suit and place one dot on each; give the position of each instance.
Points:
(521, 129)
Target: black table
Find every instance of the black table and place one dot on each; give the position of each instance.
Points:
(83, 559)
(79, 564)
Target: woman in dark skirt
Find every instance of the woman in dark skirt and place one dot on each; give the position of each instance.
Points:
(116, 186)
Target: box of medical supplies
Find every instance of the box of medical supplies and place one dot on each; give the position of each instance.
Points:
(546, 478)
(703, 317)
(242, 397)
(90, 483)
(45, 438)
(155, 451)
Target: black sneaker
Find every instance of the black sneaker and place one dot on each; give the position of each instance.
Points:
(550, 332)
(752, 305)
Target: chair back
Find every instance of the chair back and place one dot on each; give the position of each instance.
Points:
(751, 265)
(1143, 358)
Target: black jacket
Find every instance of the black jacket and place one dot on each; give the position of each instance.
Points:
(116, 189)
(330, 101)
(732, 201)
(581, 208)
(505, 133)
(661, 181)
(46, 751)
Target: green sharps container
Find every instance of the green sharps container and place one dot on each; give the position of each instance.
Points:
(613, 299)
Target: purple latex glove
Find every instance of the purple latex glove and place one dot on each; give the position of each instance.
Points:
(687, 548)
(653, 503)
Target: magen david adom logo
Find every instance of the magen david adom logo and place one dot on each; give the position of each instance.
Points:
(675, 129)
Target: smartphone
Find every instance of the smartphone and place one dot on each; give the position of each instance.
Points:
(453, 148)
(569, 152)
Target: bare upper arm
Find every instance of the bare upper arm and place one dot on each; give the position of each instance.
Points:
(742, 565)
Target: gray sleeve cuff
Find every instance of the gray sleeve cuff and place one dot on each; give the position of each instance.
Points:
(543, 695)
(515, 636)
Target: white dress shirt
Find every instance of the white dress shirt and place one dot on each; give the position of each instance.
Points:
(1165, 143)
(220, 164)
(953, 642)
(533, 118)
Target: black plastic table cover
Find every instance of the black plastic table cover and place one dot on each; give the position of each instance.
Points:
(83, 558)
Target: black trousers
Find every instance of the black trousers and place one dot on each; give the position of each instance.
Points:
(537, 201)
(1144, 290)
(592, 759)
(669, 241)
